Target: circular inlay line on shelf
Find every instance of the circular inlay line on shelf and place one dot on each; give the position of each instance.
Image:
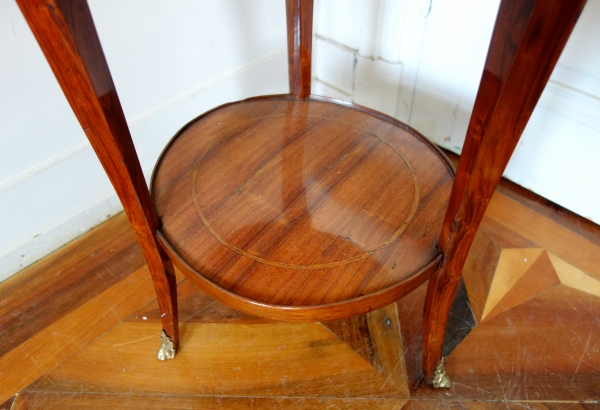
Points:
(224, 241)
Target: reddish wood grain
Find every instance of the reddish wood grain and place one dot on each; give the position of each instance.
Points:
(57, 285)
(288, 209)
(349, 221)
(67, 36)
(583, 227)
(515, 355)
(528, 38)
(324, 312)
(299, 35)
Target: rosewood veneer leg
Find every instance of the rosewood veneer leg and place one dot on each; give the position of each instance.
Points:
(169, 336)
(66, 34)
(299, 15)
(165, 285)
(527, 40)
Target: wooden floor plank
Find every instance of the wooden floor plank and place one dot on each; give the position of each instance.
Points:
(583, 227)
(575, 278)
(8, 404)
(410, 314)
(547, 233)
(274, 359)
(376, 338)
(495, 405)
(80, 330)
(512, 265)
(491, 239)
(60, 340)
(384, 329)
(44, 400)
(539, 277)
(579, 226)
(545, 349)
(63, 281)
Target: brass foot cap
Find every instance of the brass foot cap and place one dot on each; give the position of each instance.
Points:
(167, 348)
(440, 379)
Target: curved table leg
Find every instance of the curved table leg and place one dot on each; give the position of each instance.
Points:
(66, 34)
(528, 38)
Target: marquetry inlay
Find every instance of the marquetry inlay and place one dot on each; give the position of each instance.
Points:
(325, 193)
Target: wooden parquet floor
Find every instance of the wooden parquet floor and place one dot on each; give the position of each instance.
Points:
(80, 329)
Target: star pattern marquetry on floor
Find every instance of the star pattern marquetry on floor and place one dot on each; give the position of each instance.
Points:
(80, 329)
(536, 301)
(522, 274)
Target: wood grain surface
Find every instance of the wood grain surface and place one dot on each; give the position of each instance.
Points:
(527, 40)
(543, 349)
(67, 35)
(289, 203)
(60, 340)
(92, 401)
(299, 17)
(565, 243)
(303, 358)
(441, 404)
(55, 286)
(541, 352)
(492, 237)
(538, 277)
(511, 266)
(304, 208)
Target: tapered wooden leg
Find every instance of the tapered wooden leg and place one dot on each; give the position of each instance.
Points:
(527, 40)
(299, 34)
(66, 34)
(438, 300)
(165, 284)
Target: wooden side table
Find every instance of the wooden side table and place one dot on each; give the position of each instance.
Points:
(298, 207)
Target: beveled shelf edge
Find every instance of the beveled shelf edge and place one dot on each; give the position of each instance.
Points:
(312, 97)
(317, 313)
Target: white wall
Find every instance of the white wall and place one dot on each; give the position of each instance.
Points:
(421, 61)
(169, 64)
(417, 60)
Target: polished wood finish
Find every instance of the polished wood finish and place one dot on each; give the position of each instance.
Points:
(495, 405)
(539, 342)
(66, 34)
(52, 345)
(510, 229)
(90, 401)
(299, 14)
(527, 40)
(510, 267)
(301, 210)
(327, 311)
(542, 349)
(566, 243)
(573, 277)
(9, 404)
(100, 258)
(492, 237)
(537, 277)
(571, 224)
(286, 357)
(540, 353)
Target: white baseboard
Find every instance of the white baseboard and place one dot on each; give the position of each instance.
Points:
(58, 233)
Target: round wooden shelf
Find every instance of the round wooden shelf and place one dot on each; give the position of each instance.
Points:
(283, 208)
